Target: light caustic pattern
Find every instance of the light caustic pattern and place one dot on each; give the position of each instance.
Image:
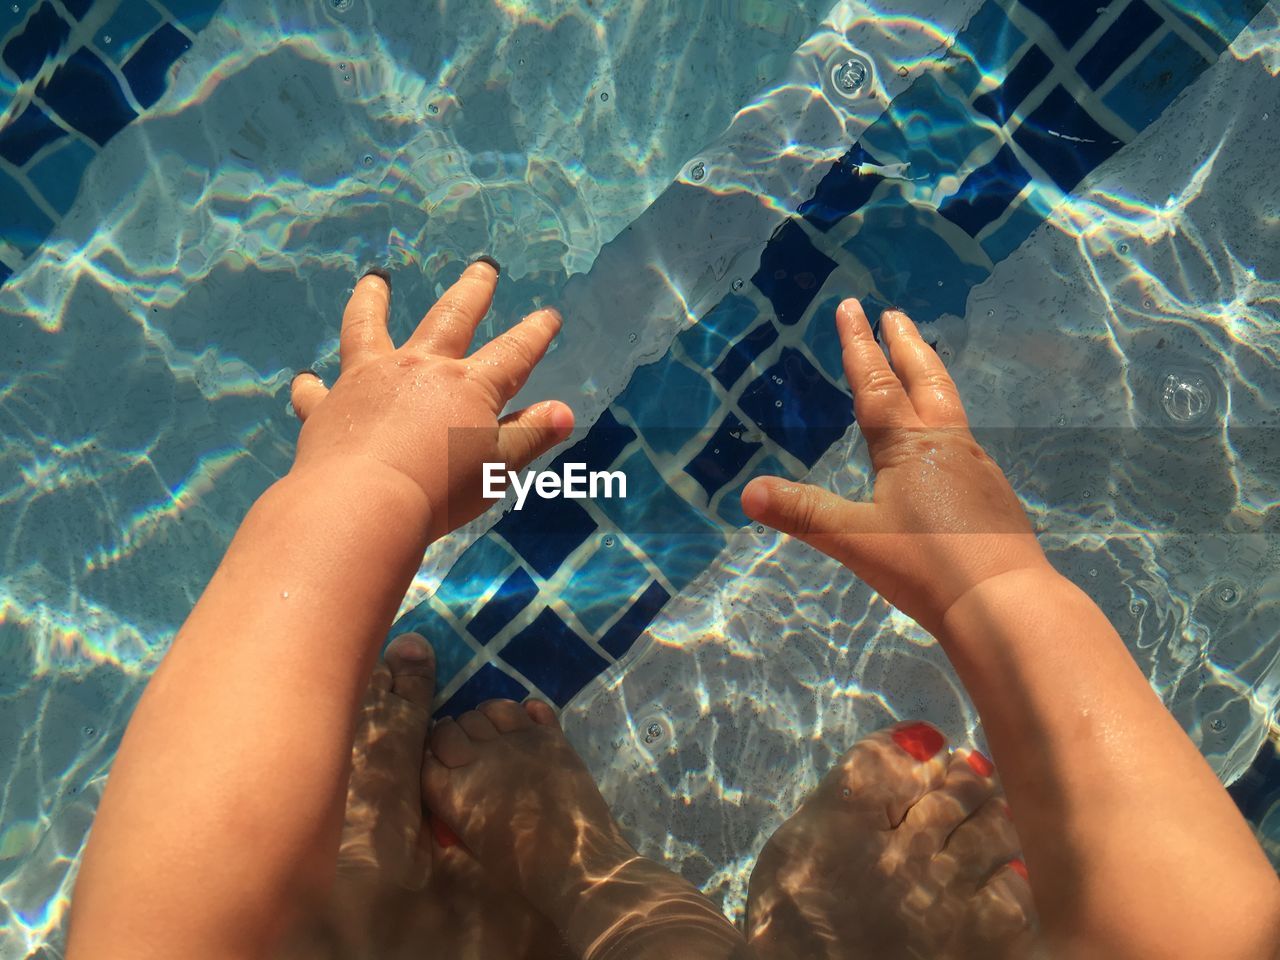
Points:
(147, 345)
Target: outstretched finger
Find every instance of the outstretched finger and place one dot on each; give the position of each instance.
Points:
(879, 402)
(364, 321)
(932, 391)
(305, 393)
(816, 516)
(506, 361)
(448, 327)
(527, 434)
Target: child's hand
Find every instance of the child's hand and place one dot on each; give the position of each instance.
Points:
(943, 517)
(424, 412)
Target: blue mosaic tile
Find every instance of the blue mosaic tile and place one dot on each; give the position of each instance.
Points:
(22, 138)
(676, 536)
(619, 638)
(22, 223)
(545, 532)
(452, 652)
(730, 506)
(723, 457)
(1069, 21)
(706, 340)
(990, 39)
(671, 397)
(920, 272)
(804, 414)
(553, 657)
(84, 92)
(987, 193)
(471, 575)
(1064, 140)
(601, 446)
(1156, 81)
(820, 337)
(5, 273)
(194, 14)
(58, 175)
(603, 583)
(791, 273)
(41, 39)
(487, 683)
(940, 130)
(744, 354)
(1030, 72)
(842, 191)
(1130, 31)
(132, 21)
(147, 70)
(1011, 234)
(516, 593)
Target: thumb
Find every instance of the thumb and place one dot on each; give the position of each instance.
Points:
(818, 517)
(305, 393)
(525, 435)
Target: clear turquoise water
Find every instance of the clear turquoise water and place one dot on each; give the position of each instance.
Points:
(149, 342)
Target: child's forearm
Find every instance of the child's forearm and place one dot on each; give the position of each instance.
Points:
(1129, 806)
(225, 801)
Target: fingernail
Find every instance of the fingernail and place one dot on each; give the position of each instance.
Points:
(444, 836)
(301, 373)
(380, 273)
(755, 498)
(980, 764)
(485, 258)
(1020, 868)
(919, 740)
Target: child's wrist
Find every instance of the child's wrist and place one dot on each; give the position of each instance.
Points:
(340, 483)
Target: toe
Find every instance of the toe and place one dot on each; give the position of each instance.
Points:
(1005, 912)
(940, 812)
(979, 847)
(888, 772)
(412, 663)
(505, 715)
(450, 744)
(478, 726)
(541, 712)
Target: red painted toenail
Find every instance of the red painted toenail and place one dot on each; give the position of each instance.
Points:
(444, 836)
(980, 764)
(1020, 868)
(919, 740)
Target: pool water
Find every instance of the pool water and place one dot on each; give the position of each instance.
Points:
(188, 190)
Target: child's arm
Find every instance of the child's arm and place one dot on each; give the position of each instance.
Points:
(1133, 847)
(223, 809)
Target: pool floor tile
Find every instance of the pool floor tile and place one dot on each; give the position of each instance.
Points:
(85, 93)
(553, 657)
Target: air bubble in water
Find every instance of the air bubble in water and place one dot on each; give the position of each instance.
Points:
(1186, 397)
(608, 541)
(777, 403)
(631, 338)
(340, 6)
(433, 109)
(1217, 724)
(368, 159)
(759, 528)
(737, 284)
(604, 96)
(1122, 248)
(698, 172)
(903, 71)
(106, 38)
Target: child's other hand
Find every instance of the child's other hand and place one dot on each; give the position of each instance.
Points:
(943, 518)
(425, 412)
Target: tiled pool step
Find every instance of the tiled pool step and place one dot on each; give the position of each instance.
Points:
(981, 145)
